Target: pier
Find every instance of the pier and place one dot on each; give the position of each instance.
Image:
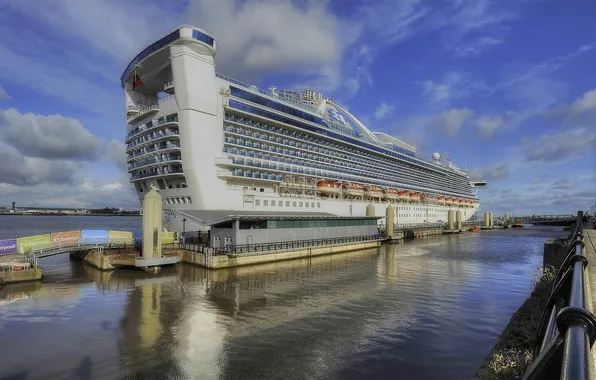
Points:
(567, 328)
(108, 250)
(269, 237)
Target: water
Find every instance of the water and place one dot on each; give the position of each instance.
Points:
(430, 309)
(27, 225)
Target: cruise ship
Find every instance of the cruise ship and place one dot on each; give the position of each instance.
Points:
(208, 143)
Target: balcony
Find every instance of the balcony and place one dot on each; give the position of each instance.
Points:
(154, 161)
(169, 146)
(134, 113)
(169, 88)
(157, 173)
(223, 161)
(154, 137)
(165, 121)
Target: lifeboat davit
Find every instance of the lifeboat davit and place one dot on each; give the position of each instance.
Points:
(390, 194)
(374, 192)
(327, 187)
(353, 190)
(403, 195)
(415, 197)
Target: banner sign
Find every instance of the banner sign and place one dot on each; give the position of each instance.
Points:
(94, 237)
(119, 237)
(138, 236)
(65, 239)
(36, 242)
(8, 246)
(169, 237)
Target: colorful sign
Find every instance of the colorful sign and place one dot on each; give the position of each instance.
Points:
(94, 237)
(36, 242)
(119, 237)
(138, 236)
(8, 246)
(169, 237)
(65, 239)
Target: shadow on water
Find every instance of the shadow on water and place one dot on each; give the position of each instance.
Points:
(18, 376)
(83, 371)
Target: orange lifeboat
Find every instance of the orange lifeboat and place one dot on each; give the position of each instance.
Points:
(415, 197)
(403, 195)
(328, 187)
(353, 190)
(374, 192)
(441, 199)
(390, 194)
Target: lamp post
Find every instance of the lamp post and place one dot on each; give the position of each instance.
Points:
(183, 225)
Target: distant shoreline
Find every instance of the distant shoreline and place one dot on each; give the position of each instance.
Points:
(55, 214)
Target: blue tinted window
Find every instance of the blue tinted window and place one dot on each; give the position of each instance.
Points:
(271, 115)
(148, 51)
(275, 105)
(202, 37)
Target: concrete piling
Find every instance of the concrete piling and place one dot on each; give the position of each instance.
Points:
(458, 220)
(390, 216)
(152, 225)
(450, 225)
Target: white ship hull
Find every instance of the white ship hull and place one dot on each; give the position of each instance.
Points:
(204, 149)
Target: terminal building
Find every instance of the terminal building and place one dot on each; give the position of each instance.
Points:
(248, 228)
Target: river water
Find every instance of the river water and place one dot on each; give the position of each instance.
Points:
(429, 309)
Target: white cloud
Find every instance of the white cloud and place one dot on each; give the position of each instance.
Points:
(330, 51)
(455, 85)
(488, 173)
(585, 105)
(476, 47)
(81, 193)
(43, 159)
(450, 122)
(383, 110)
(52, 137)
(554, 147)
(488, 125)
(3, 94)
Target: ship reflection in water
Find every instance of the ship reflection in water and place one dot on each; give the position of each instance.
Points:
(431, 309)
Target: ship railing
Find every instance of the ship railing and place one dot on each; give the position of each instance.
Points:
(567, 330)
(154, 161)
(266, 248)
(156, 173)
(152, 138)
(152, 124)
(293, 101)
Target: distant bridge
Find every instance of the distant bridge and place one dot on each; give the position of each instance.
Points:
(547, 219)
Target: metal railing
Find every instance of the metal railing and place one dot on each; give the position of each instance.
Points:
(287, 245)
(567, 330)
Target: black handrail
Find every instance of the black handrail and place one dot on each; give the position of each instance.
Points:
(564, 340)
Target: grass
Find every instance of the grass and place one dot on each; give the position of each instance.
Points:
(513, 352)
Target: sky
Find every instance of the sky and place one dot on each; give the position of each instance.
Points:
(506, 88)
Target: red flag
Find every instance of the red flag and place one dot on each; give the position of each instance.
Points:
(136, 81)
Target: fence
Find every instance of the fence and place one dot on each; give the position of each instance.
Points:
(280, 246)
(567, 330)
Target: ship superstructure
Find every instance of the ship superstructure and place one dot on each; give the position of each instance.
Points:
(209, 142)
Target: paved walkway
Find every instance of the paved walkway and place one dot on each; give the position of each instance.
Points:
(590, 291)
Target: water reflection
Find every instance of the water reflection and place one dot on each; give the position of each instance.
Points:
(431, 309)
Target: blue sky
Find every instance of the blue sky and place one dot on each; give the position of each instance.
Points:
(506, 88)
